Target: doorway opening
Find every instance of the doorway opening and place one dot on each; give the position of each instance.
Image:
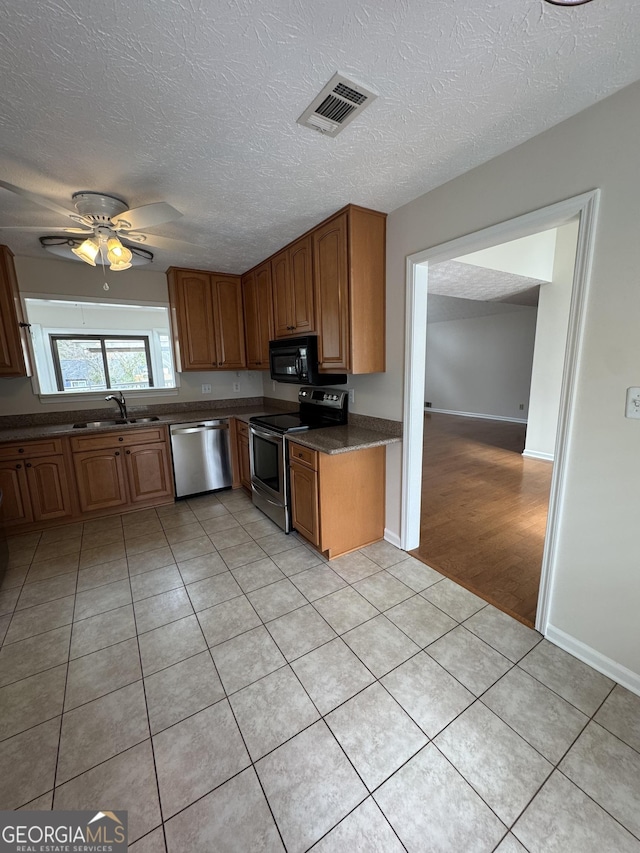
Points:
(496, 329)
(583, 208)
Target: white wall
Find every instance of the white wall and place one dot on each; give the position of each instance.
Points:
(481, 365)
(596, 589)
(531, 256)
(70, 278)
(548, 357)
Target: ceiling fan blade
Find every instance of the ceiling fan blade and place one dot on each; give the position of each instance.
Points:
(38, 199)
(146, 216)
(162, 242)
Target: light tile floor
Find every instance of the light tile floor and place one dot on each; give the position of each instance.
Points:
(235, 692)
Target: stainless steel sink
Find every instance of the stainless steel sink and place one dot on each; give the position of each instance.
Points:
(116, 422)
(97, 424)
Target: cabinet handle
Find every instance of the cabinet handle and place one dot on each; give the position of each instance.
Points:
(301, 455)
(128, 452)
(18, 467)
(27, 465)
(120, 438)
(117, 453)
(21, 450)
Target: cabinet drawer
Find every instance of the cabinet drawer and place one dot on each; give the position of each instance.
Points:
(44, 447)
(243, 428)
(117, 439)
(304, 455)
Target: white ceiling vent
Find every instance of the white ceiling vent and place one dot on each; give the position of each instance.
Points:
(337, 104)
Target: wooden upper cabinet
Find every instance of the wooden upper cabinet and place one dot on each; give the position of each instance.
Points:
(258, 316)
(192, 312)
(301, 277)
(229, 322)
(14, 353)
(332, 294)
(349, 278)
(293, 302)
(207, 318)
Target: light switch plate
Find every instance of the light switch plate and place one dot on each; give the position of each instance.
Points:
(633, 403)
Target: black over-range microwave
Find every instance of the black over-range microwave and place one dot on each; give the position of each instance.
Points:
(295, 360)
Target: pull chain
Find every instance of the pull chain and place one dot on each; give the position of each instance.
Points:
(105, 286)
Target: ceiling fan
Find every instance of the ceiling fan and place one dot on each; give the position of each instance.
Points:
(106, 221)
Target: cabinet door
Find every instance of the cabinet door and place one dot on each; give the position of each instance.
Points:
(48, 488)
(229, 323)
(100, 475)
(251, 319)
(282, 320)
(331, 270)
(258, 316)
(244, 461)
(304, 501)
(191, 292)
(265, 313)
(301, 286)
(14, 356)
(16, 507)
(149, 472)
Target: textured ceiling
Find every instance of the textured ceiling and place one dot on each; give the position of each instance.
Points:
(195, 102)
(467, 281)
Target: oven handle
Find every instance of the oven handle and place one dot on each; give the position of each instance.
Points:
(264, 496)
(273, 437)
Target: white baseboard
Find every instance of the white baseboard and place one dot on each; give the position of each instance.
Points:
(537, 454)
(626, 677)
(476, 415)
(392, 537)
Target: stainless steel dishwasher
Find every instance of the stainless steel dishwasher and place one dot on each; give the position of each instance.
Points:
(201, 456)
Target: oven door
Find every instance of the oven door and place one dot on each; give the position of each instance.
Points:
(268, 474)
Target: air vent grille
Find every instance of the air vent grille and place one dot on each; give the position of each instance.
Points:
(336, 105)
(335, 109)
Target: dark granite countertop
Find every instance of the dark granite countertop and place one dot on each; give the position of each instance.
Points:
(343, 439)
(355, 436)
(27, 433)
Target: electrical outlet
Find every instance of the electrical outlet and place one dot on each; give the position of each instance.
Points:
(206, 389)
(236, 387)
(352, 395)
(521, 407)
(633, 403)
(273, 385)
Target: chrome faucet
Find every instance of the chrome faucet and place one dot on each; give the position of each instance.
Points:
(121, 403)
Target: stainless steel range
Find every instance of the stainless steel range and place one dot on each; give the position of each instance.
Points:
(319, 407)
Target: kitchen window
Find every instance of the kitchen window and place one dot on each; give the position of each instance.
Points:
(101, 363)
(84, 348)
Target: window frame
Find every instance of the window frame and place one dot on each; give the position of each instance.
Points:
(55, 356)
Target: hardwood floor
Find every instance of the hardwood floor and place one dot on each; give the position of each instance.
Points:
(484, 510)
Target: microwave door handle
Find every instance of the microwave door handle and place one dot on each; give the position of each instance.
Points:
(298, 365)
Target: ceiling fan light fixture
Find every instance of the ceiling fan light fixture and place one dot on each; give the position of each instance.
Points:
(117, 254)
(87, 251)
(119, 266)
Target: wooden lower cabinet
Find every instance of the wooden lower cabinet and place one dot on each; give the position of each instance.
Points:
(115, 470)
(49, 488)
(240, 458)
(100, 477)
(304, 501)
(337, 500)
(149, 472)
(16, 505)
(34, 483)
